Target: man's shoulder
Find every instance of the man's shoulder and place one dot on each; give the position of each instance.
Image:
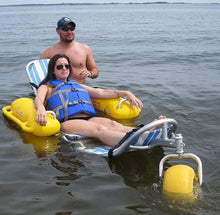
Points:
(77, 43)
(49, 52)
(82, 46)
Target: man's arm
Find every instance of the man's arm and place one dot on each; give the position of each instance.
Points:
(91, 65)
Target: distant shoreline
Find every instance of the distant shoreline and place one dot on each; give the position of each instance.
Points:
(59, 4)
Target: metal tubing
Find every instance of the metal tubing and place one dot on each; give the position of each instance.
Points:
(126, 144)
(120, 102)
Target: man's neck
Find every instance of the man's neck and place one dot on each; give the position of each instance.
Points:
(65, 44)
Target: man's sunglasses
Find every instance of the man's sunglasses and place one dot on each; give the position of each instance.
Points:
(59, 67)
(66, 28)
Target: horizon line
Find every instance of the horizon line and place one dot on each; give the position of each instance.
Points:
(53, 4)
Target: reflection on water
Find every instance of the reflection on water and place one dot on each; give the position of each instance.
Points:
(43, 146)
(138, 168)
(67, 162)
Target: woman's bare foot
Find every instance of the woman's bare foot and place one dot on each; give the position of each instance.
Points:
(159, 126)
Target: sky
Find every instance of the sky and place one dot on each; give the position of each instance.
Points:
(17, 2)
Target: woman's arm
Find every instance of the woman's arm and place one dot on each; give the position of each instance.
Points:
(41, 116)
(108, 94)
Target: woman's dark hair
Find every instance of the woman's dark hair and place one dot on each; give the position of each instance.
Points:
(50, 72)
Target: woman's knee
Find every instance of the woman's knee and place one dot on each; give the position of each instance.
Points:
(113, 124)
(101, 128)
(117, 126)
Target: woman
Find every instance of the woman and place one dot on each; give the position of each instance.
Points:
(78, 116)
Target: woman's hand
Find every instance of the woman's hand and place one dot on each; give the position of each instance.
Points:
(133, 99)
(41, 116)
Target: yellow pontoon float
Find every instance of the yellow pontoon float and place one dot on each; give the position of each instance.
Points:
(118, 108)
(23, 113)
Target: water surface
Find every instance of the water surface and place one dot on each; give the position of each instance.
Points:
(168, 55)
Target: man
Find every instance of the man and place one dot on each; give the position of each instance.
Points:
(81, 57)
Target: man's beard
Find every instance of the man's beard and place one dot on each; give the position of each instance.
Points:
(67, 40)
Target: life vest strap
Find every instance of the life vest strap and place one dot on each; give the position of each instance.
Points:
(66, 104)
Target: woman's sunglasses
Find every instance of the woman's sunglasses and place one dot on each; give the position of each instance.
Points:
(59, 67)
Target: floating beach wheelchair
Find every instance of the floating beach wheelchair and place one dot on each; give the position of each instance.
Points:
(178, 180)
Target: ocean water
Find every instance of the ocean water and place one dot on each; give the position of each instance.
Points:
(166, 54)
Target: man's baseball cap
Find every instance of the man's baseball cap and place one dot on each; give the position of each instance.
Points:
(63, 22)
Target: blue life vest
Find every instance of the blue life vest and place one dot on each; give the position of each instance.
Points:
(68, 99)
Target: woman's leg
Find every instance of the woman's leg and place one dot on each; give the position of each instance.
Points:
(108, 132)
(111, 124)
